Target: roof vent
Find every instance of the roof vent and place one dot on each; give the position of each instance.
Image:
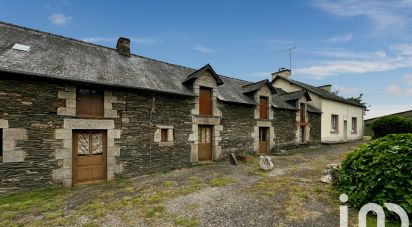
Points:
(123, 46)
(21, 47)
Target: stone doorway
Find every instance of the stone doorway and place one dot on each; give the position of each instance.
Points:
(89, 156)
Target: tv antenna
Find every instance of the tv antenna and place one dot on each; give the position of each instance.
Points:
(290, 55)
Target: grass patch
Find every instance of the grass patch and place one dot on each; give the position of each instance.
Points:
(155, 211)
(186, 222)
(221, 181)
(169, 183)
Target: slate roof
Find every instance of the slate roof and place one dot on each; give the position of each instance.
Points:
(295, 95)
(58, 57)
(256, 86)
(320, 92)
(279, 102)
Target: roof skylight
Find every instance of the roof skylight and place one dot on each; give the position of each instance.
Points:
(21, 47)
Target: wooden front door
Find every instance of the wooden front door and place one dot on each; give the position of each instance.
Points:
(205, 143)
(263, 140)
(89, 156)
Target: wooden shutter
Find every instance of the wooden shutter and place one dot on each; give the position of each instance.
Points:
(90, 103)
(263, 108)
(163, 135)
(302, 112)
(205, 101)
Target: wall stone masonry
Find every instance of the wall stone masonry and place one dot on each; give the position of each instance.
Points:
(315, 128)
(284, 122)
(238, 123)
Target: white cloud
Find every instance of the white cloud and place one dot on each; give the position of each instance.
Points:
(202, 49)
(393, 89)
(59, 19)
(143, 41)
(382, 13)
(341, 39)
(359, 62)
(382, 110)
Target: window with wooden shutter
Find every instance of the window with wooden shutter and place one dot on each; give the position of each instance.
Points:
(1, 145)
(90, 103)
(263, 108)
(205, 101)
(302, 113)
(163, 135)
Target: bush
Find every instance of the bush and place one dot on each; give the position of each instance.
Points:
(379, 172)
(391, 125)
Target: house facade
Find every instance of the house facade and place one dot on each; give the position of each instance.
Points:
(342, 120)
(73, 113)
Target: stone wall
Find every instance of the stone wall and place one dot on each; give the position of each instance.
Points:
(31, 107)
(315, 128)
(145, 113)
(284, 124)
(238, 122)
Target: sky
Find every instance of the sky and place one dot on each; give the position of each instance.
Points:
(358, 46)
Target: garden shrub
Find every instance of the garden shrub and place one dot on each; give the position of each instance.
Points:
(391, 125)
(379, 172)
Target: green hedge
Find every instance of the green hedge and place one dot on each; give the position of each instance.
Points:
(379, 172)
(391, 125)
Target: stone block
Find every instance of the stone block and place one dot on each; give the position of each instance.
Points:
(67, 163)
(4, 123)
(63, 154)
(125, 120)
(70, 88)
(113, 151)
(111, 161)
(15, 134)
(66, 95)
(67, 144)
(13, 156)
(108, 106)
(114, 133)
(63, 134)
(110, 142)
(8, 145)
(110, 113)
(108, 93)
(63, 111)
(88, 124)
(70, 103)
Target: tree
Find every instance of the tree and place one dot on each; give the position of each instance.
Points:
(359, 100)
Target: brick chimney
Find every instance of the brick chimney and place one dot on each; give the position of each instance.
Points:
(123, 46)
(283, 72)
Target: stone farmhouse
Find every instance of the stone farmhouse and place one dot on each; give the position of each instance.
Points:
(72, 113)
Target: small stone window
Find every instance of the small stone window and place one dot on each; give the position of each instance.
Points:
(164, 135)
(1, 145)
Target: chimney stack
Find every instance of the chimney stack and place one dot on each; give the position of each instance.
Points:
(123, 46)
(283, 72)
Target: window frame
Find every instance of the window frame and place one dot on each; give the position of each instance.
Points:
(99, 97)
(335, 127)
(203, 111)
(266, 108)
(354, 123)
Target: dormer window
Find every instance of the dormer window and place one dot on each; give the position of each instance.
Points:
(205, 101)
(90, 103)
(263, 108)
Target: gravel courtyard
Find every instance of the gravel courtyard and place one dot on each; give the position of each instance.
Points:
(212, 194)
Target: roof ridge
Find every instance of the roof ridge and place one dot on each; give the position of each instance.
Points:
(233, 78)
(88, 43)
